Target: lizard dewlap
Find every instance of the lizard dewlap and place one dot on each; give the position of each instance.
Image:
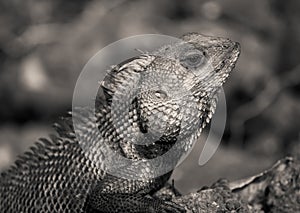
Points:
(153, 105)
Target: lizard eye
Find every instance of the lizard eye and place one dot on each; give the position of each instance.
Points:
(192, 59)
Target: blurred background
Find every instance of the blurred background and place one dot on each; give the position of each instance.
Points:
(45, 44)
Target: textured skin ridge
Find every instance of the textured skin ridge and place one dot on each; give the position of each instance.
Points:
(171, 96)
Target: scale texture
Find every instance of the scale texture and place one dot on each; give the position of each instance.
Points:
(146, 105)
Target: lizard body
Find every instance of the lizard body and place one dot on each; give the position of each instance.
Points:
(175, 86)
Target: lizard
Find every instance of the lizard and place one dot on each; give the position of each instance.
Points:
(58, 175)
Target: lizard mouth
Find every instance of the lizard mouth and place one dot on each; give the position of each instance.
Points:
(231, 56)
(234, 52)
(229, 59)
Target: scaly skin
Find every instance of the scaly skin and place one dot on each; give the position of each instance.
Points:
(171, 96)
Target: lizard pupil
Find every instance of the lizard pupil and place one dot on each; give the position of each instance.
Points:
(194, 58)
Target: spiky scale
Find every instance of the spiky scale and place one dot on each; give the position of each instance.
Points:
(174, 100)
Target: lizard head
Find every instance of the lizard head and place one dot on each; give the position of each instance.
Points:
(169, 94)
(205, 61)
(179, 86)
(211, 59)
